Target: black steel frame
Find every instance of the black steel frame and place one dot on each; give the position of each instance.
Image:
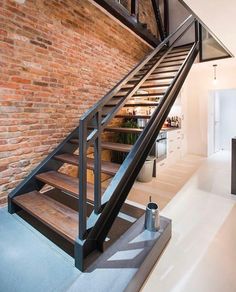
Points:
(201, 59)
(93, 231)
(160, 25)
(202, 24)
(132, 21)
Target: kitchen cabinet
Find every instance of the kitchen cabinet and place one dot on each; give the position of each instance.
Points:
(174, 148)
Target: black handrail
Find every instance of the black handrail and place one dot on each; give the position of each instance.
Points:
(93, 231)
(95, 136)
(119, 188)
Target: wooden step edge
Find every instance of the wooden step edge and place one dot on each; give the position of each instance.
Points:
(169, 67)
(175, 53)
(107, 167)
(136, 103)
(159, 78)
(134, 116)
(178, 62)
(60, 218)
(161, 72)
(116, 146)
(60, 181)
(175, 59)
(124, 130)
(169, 64)
(168, 71)
(165, 85)
(65, 183)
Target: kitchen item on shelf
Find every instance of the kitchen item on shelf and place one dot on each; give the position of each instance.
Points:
(142, 123)
(152, 216)
(146, 172)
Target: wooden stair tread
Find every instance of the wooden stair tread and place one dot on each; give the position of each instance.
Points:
(181, 49)
(116, 146)
(138, 103)
(168, 68)
(170, 63)
(152, 83)
(55, 215)
(106, 166)
(163, 66)
(160, 71)
(180, 56)
(143, 103)
(167, 63)
(154, 86)
(65, 183)
(124, 130)
(112, 146)
(133, 116)
(157, 77)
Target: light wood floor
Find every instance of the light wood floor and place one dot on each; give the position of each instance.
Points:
(167, 184)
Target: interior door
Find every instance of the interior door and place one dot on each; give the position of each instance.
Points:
(217, 122)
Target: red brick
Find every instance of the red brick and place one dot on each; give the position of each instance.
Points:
(21, 80)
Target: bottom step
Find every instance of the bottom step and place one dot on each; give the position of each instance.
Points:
(55, 215)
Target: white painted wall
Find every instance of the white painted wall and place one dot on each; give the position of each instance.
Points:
(219, 16)
(195, 93)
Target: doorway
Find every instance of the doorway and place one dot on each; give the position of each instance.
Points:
(222, 124)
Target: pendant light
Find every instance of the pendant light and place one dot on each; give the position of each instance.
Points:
(214, 76)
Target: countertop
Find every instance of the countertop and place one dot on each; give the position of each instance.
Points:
(169, 129)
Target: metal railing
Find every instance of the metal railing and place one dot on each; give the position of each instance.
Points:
(107, 206)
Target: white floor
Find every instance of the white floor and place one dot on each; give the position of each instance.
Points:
(201, 255)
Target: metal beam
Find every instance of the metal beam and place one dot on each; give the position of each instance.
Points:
(160, 27)
(134, 8)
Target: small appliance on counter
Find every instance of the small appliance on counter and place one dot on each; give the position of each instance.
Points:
(160, 148)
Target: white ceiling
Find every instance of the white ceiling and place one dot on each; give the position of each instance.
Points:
(220, 17)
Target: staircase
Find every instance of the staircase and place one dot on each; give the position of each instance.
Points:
(155, 82)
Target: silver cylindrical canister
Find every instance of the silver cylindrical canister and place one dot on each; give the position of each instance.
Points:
(152, 217)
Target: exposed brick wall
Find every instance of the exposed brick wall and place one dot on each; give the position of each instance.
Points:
(57, 58)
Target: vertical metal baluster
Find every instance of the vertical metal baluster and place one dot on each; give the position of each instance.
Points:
(82, 178)
(196, 24)
(166, 17)
(160, 27)
(134, 9)
(97, 165)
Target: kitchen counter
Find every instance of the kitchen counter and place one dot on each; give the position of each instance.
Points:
(170, 129)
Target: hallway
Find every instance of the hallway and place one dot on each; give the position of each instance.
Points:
(204, 216)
